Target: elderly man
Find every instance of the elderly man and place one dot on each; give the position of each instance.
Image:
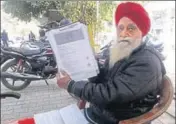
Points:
(129, 85)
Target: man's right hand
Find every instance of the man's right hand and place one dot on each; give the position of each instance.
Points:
(81, 104)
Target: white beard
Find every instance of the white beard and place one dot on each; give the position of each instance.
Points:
(121, 50)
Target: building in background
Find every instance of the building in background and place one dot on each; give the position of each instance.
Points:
(162, 15)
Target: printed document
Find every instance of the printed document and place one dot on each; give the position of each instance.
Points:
(67, 115)
(73, 52)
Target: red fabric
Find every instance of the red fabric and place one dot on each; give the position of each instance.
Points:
(27, 121)
(136, 13)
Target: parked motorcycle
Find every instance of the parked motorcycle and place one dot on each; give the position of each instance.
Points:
(29, 63)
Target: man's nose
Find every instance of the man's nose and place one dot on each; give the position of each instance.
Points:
(124, 33)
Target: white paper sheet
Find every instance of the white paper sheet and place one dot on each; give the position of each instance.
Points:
(73, 51)
(73, 115)
(67, 115)
(52, 117)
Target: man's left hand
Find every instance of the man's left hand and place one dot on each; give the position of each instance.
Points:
(63, 81)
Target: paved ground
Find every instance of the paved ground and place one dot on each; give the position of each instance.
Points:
(38, 97)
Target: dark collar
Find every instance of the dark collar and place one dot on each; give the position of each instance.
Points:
(143, 44)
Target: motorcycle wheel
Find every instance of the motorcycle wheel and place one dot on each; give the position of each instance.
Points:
(4, 59)
(8, 64)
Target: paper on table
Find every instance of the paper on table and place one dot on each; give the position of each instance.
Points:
(72, 115)
(67, 115)
(52, 117)
(73, 51)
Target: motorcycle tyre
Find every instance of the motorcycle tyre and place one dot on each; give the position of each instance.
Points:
(4, 67)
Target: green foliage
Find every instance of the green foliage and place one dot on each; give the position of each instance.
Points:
(106, 10)
(85, 11)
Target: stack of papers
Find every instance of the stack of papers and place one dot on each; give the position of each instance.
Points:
(68, 115)
(73, 52)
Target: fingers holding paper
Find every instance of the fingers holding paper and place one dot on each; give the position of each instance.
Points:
(63, 79)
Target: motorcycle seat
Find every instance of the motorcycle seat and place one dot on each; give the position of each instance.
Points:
(26, 51)
(29, 52)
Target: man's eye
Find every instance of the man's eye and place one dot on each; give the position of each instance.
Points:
(120, 28)
(131, 29)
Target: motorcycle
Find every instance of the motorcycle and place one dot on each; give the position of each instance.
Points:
(28, 64)
(31, 62)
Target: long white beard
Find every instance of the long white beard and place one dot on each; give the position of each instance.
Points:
(121, 50)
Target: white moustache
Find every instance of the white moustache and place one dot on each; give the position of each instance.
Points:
(126, 39)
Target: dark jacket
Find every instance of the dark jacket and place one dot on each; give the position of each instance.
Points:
(129, 89)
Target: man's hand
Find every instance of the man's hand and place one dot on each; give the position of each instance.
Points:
(63, 80)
